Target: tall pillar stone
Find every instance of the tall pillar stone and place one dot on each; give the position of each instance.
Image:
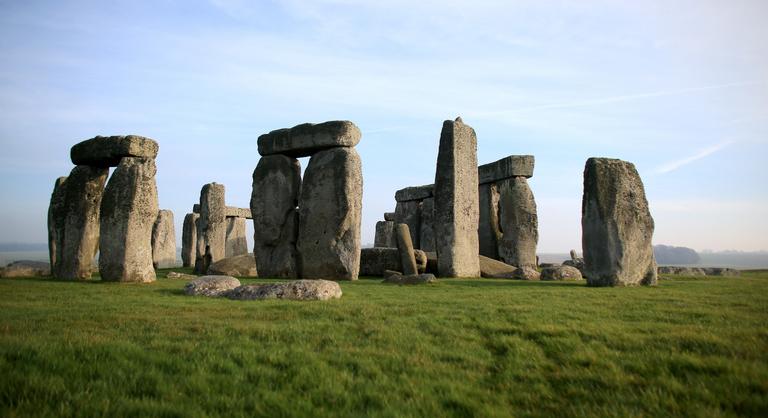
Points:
(212, 222)
(518, 221)
(275, 196)
(56, 218)
(330, 207)
(189, 239)
(488, 230)
(617, 227)
(164, 240)
(128, 213)
(83, 192)
(237, 244)
(456, 201)
(385, 235)
(405, 250)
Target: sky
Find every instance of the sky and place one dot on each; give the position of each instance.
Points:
(679, 88)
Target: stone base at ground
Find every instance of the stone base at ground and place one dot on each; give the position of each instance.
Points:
(211, 286)
(294, 290)
(243, 265)
(182, 276)
(395, 277)
(26, 268)
(496, 269)
(561, 273)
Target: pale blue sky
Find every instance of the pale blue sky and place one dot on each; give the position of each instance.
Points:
(680, 88)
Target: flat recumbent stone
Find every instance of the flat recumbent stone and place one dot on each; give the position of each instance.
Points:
(306, 139)
(106, 151)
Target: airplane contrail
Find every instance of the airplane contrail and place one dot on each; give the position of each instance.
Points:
(674, 165)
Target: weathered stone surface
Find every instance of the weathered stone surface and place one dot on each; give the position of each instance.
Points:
(164, 240)
(409, 279)
(106, 151)
(307, 139)
(427, 227)
(682, 271)
(721, 271)
(236, 243)
(409, 213)
(183, 276)
(276, 187)
(211, 286)
(385, 235)
(578, 263)
(212, 222)
(189, 239)
(389, 216)
(233, 212)
(456, 201)
(243, 265)
(488, 230)
(560, 273)
(617, 227)
(518, 222)
(374, 261)
(83, 193)
(496, 269)
(415, 193)
(431, 262)
(57, 216)
(405, 249)
(527, 273)
(505, 168)
(295, 290)
(26, 268)
(128, 213)
(421, 260)
(574, 256)
(196, 208)
(330, 209)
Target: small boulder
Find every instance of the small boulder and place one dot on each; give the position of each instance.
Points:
(243, 265)
(395, 277)
(26, 268)
(294, 290)
(561, 273)
(491, 268)
(177, 275)
(527, 273)
(211, 286)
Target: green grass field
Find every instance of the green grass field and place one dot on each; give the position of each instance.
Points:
(691, 347)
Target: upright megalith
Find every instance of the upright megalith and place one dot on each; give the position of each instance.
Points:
(83, 193)
(385, 235)
(518, 222)
(427, 225)
(409, 209)
(164, 240)
(307, 139)
(107, 151)
(56, 218)
(212, 223)
(275, 197)
(489, 231)
(236, 243)
(617, 227)
(330, 207)
(405, 250)
(456, 201)
(189, 239)
(128, 213)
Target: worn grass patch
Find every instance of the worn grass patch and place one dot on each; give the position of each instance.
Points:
(695, 347)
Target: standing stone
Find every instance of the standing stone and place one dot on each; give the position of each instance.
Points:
(617, 226)
(189, 239)
(330, 209)
(164, 241)
(456, 201)
(427, 228)
(276, 187)
(488, 230)
(83, 192)
(213, 225)
(405, 248)
(385, 235)
(237, 244)
(56, 219)
(518, 222)
(128, 214)
(409, 213)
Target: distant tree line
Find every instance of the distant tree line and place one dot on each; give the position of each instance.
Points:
(667, 254)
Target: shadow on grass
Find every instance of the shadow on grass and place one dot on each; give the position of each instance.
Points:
(512, 283)
(171, 292)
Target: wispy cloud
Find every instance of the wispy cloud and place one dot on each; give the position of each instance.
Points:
(674, 165)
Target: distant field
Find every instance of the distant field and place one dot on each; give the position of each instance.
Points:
(696, 347)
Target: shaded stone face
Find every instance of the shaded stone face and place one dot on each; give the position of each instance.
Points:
(617, 227)
(56, 219)
(213, 225)
(385, 235)
(507, 167)
(518, 222)
(405, 249)
(106, 151)
(389, 216)
(237, 244)
(456, 202)
(276, 187)
(306, 139)
(375, 261)
(128, 213)
(189, 239)
(330, 209)
(409, 213)
(415, 193)
(427, 227)
(164, 240)
(83, 192)
(243, 265)
(488, 230)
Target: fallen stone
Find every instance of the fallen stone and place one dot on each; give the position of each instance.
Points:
(415, 193)
(128, 213)
(385, 235)
(561, 273)
(211, 286)
(176, 275)
(307, 139)
(57, 217)
(164, 240)
(617, 227)
(276, 187)
(505, 168)
(26, 268)
(518, 223)
(496, 269)
(389, 216)
(243, 265)
(84, 190)
(409, 213)
(106, 151)
(578, 263)
(427, 226)
(212, 223)
(189, 239)
(330, 209)
(456, 201)
(527, 273)
(411, 279)
(295, 290)
(405, 249)
(236, 243)
(488, 230)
